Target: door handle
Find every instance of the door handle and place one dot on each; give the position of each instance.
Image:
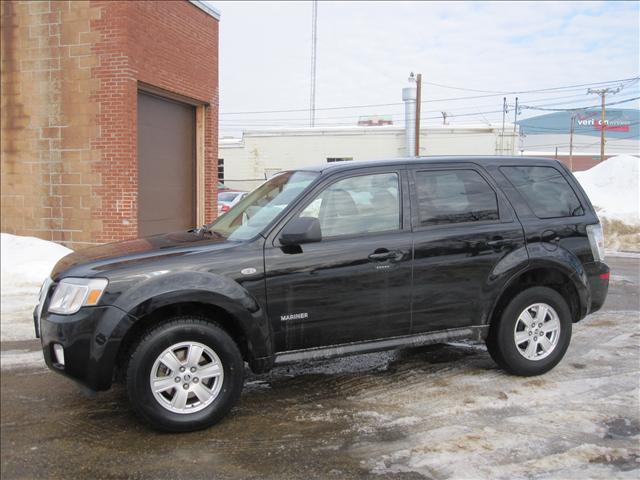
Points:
(499, 242)
(382, 254)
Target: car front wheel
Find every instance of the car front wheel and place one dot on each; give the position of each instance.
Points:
(184, 375)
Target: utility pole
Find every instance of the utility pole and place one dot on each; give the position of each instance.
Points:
(573, 126)
(314, 41)
(603, 126)
(418, 102)
(444, 117)
(515, 120)
(504, 112)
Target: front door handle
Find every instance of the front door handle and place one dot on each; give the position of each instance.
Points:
(499, 242)
(382, 254)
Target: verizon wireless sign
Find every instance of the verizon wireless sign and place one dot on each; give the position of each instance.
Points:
(610, 125)
(623, 123)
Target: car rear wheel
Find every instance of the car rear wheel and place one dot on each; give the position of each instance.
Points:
(184, 375)
(533, 332)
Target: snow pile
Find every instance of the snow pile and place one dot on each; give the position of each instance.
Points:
(613, 187)
(25, 263)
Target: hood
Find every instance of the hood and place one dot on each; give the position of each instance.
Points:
(93, 260)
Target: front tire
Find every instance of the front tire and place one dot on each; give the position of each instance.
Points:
(184, 375)
(532, 334)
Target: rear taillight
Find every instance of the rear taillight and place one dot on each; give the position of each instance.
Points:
(225, 208)
(596, 240)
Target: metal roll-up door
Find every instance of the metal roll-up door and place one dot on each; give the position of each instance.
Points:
(166, 165)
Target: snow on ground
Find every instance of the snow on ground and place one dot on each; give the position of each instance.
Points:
(614, 189)
(465, 419)
(25, 263)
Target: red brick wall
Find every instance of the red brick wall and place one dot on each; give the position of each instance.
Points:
(581, 162)
(578, 163)
(172, 45)
(70, 73)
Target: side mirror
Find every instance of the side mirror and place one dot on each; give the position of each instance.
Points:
(301, 230)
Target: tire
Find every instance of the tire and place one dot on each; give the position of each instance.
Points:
(515, 342)
(219, 363)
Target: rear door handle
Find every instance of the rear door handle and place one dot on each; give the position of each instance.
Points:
(382, 254)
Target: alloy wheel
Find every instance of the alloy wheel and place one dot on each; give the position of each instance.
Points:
(186, 377)
(537, 331)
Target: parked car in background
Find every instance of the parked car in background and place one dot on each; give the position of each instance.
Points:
(227, 199)
(329, 261)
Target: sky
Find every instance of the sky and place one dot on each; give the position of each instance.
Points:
(366, 50)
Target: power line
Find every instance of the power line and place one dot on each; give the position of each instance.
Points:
(284, 123)
(577, 108)
(633, 79)
(431, 101)
(450, 112)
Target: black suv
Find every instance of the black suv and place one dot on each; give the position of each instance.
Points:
(329, 261)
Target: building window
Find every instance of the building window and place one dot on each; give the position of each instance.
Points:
(221, 170)
(339, 159)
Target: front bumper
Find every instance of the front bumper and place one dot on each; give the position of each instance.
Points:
(90, 339)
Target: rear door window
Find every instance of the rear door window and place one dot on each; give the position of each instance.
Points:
(545, 190)
(454, 196)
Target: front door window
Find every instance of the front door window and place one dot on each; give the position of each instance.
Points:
(357, 206)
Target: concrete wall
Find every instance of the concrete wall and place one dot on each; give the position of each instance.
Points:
(70, 75)
(248, 161)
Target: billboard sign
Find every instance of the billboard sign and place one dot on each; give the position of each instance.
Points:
(619, 123)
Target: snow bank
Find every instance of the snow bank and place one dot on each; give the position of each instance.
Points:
(25, 263)
(613, 187)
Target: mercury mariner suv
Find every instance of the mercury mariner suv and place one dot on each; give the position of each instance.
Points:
(330, 261)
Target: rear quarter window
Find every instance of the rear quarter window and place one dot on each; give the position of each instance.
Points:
(545, 190)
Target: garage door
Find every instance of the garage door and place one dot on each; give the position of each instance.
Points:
(166, 165)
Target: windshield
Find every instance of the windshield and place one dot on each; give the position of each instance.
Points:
(254, 212)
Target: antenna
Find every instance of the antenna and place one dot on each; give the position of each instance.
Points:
(314, 41)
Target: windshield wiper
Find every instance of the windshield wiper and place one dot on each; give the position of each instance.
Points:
(205, 230)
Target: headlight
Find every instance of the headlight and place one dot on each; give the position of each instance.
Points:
(73, 293)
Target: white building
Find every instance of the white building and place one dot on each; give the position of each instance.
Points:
(246, 162)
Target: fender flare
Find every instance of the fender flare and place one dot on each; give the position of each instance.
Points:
(562, 261)
(196, 287)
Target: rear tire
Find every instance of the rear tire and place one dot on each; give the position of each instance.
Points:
(184, 375)
(533, 332)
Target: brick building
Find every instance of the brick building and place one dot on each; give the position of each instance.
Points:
(109, 118)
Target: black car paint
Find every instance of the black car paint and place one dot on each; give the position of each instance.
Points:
(441, 278)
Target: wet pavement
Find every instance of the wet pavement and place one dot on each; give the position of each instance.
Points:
(431, 412)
